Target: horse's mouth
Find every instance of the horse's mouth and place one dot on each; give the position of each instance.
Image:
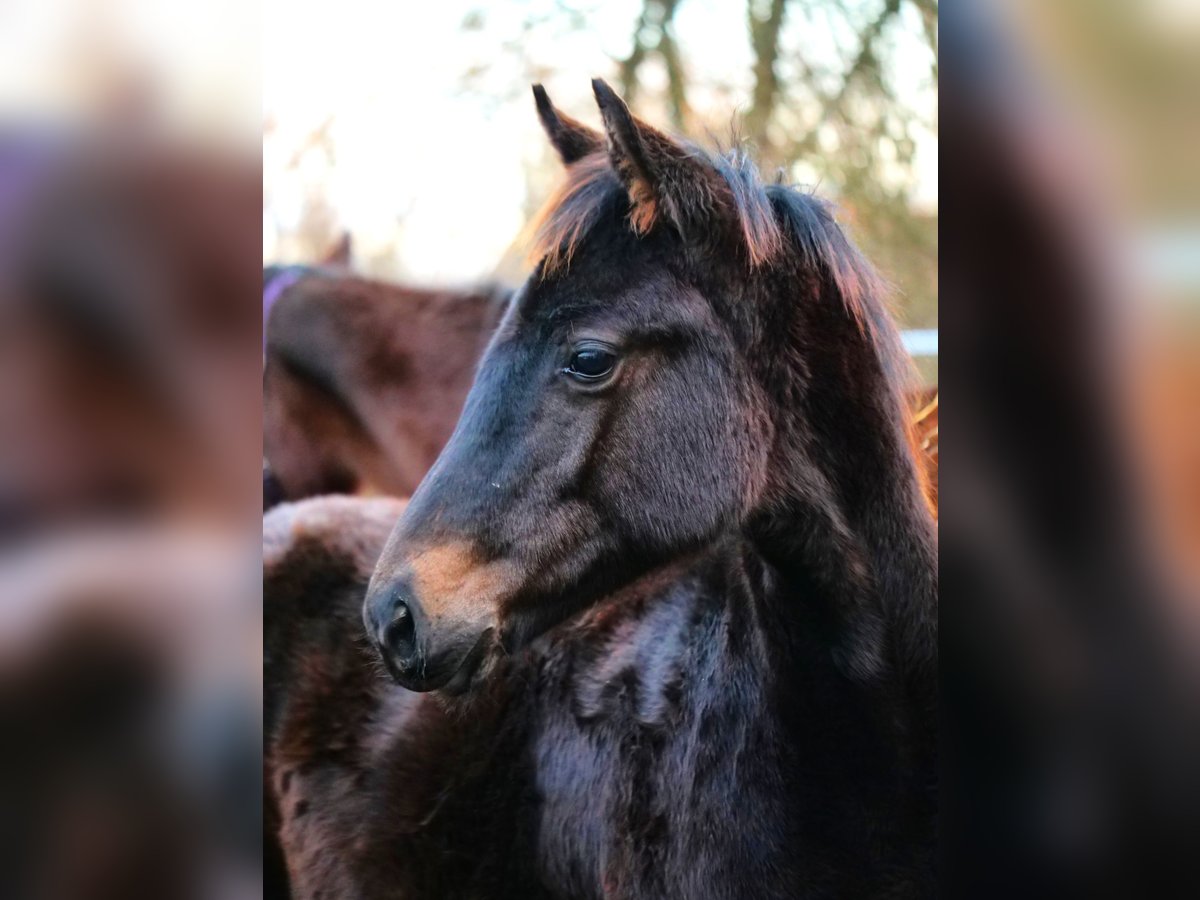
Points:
(472, 669)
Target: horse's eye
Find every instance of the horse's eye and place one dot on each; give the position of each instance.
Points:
(590, 364)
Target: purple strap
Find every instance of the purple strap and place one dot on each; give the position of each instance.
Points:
(274, 290)
(26, 162)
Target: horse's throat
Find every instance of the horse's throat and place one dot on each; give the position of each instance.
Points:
(859, 566)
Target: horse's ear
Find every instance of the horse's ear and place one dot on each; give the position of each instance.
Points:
(661, 175)
(341, 254)
(573, 140)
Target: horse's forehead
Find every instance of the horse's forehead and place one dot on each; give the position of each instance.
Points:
(629, 294)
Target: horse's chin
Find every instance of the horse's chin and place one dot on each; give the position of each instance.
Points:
(475, 668)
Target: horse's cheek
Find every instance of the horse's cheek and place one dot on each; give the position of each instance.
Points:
(697, 465)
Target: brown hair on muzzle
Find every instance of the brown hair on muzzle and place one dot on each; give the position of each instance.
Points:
(433, 610)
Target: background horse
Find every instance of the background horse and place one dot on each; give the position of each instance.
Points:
(130, 671)
(128, 336)
(365, 380)
(673, 579)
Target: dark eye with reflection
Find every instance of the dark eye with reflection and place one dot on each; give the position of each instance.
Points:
(591, 363)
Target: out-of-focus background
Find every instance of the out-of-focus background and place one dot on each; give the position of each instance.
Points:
(411, 126)
(1107, 93)
(1070, 514)
(130, 450)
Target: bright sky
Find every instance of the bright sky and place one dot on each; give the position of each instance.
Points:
(431, 179)
(195, 65)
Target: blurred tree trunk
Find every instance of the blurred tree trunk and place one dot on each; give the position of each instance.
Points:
(631, 63)
(654, 33)
(866, 61)
(766, 21)
(676, 80)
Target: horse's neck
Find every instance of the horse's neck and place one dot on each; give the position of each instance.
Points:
(729, 645)
(852, 540)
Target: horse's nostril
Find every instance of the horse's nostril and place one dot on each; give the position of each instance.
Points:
(399, 637)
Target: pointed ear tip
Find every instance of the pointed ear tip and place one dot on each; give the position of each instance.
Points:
(608, 100)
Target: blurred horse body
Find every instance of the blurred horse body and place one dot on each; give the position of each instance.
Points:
(364, 380)
(127, 334)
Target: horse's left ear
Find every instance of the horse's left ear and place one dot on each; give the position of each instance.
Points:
(340, 254)
(573, 140)
(661, 175)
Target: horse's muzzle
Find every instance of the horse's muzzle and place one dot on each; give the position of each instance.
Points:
(422, 653)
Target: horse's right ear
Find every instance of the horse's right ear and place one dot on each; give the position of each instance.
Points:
(341, 254)
(572, 139)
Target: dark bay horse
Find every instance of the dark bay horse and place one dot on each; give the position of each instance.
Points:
(662, 618)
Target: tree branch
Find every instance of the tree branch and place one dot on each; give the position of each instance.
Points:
(764, 40)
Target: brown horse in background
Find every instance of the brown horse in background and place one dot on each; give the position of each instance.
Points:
(364, 380)
(127, 332)
(130, 667)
